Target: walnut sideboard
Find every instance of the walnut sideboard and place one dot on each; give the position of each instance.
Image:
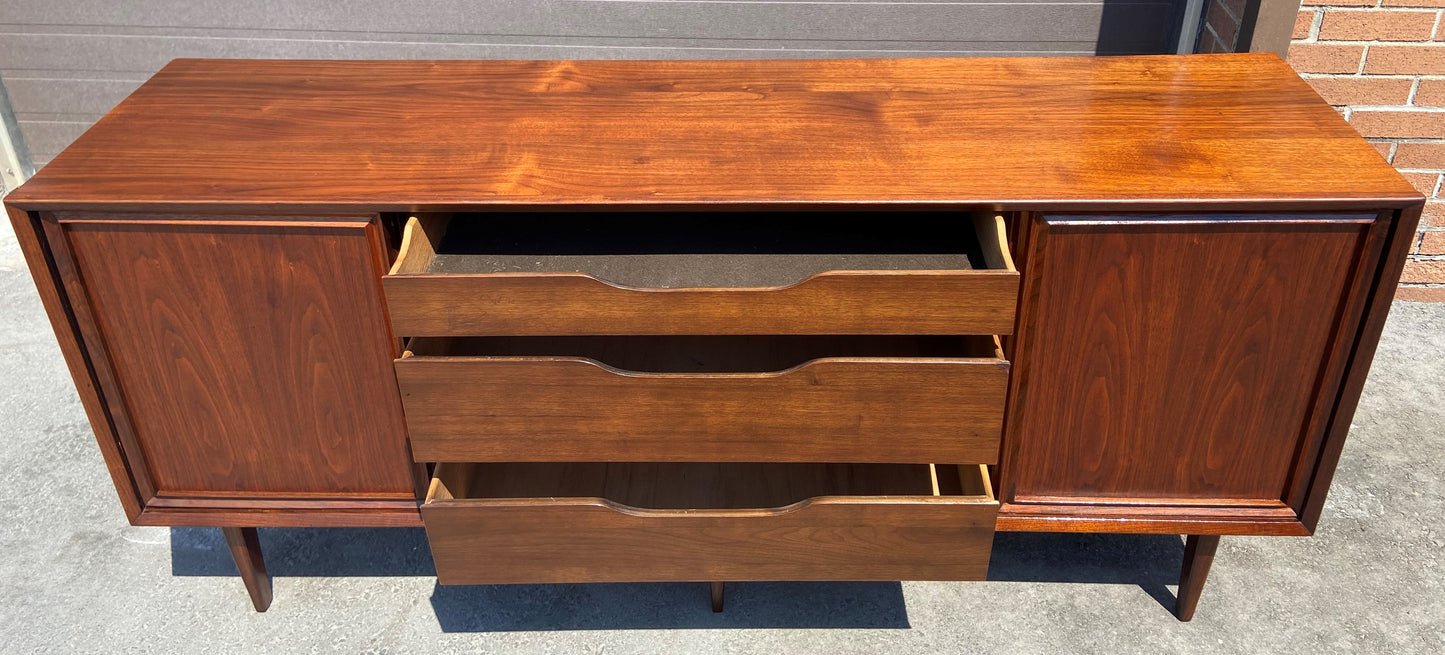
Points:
(716, 321)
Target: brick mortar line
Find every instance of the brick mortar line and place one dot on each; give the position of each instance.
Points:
(1318, 13)
(1228, 13)
(1377, 5)
(1434, 77)
(1397, 109)
(1423, 43)
(1210, 31)
(1403, 9)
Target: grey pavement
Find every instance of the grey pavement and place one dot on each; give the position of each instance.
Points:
(75, 577)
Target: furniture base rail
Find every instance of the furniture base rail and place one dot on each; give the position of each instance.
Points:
(246, 551)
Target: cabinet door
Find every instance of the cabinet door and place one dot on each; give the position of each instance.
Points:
(1182, 361)
(245, 362)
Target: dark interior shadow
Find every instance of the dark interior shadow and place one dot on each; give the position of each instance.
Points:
(661, 606)
(1139, 27)
(320, 552)
(310, 552)
(1149, 561)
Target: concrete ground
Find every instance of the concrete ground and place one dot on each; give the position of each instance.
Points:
(74, 577)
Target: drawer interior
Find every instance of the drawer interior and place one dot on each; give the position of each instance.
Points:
(674, 250)
(704, 486)
(709, 354)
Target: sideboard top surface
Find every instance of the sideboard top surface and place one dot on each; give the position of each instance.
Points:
(1207, 131)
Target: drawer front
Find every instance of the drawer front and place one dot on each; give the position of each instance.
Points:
(881, 302)
(555, 540)
(828, 410)
(430, 294)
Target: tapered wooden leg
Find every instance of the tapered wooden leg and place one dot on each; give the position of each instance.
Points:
(717, 596)
(246, 550)
(1198, 555)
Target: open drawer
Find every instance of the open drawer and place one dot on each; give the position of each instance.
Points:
(877, 398)
(702, 273)
(628, 522)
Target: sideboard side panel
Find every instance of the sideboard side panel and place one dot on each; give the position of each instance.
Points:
(251, 357)
(58, 307)
(1382, 288)
(1178, 362)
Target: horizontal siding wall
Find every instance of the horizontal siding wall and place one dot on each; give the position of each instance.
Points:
(67, 62)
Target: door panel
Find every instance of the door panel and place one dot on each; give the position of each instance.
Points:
(251, 357)
(1178, 359)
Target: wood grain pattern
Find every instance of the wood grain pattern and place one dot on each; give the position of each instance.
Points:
(1381, 291)
(704, 249)
(419, 239)
(368, 514)
(48, 282)
(1001, 133)
(893, 409)
(245, 546)
(102, 367)
(581, 539)
(1337, 358)
(751, 488)
(1136, 518)
(1224, 360)
(423, 302)
(249, 357)
(1198, 557)
(881, 302)
(1172, 362)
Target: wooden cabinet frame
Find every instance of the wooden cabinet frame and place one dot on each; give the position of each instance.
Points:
(131, 233)
(91, 361)
(1366, 294)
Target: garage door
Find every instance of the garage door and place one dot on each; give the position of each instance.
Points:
(64, 63)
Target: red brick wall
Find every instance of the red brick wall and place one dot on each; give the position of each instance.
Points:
(1220, 31)
(1381, 63)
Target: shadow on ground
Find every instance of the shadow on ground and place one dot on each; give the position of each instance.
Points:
(1149, 561)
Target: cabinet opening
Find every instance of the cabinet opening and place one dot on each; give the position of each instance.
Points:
(709, 354)
(701, 486)
(675, 250)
